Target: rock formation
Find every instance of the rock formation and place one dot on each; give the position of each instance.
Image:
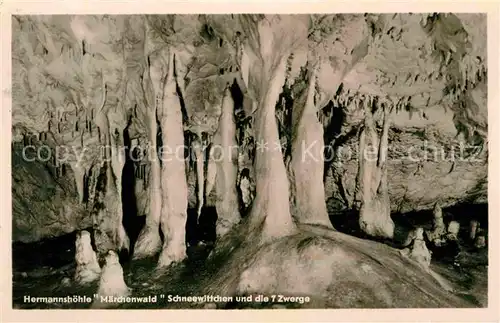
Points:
(438, 227)
(417, 249)
(87, 266)
(279, 122)
(473, 228)
(111, 283)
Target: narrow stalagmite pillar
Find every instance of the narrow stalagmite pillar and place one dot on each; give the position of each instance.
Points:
(211, 172)
(307, 163)
(200, 173)
(438, 227)
(79, 173)
(173, 174)
(149, 241)
(474, 226)
(226, 156)
(375, 210)
(271, 207)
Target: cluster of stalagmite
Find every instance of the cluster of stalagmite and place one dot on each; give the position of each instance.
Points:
(110, 278)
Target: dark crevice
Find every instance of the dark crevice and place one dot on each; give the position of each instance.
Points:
(332, 132)
(132, 222)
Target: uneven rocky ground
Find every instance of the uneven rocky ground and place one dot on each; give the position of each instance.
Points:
(334, 269)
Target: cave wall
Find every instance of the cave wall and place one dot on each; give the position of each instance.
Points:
(43, 204)
(426, 164)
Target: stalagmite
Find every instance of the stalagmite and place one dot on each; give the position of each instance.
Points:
(474, 226)
(271, 204)
(374, 214)
(306, 168)
(107, 214)
(211, 172)
(87, 267)
(149, 242)
(417, 250)
(79, 172)
(112, 283)
(116, 126)
(480, 241)
(173, 175)
(92, 176)
(200, 173)
(100, 119)
(453, 230)
(227, 168)
(439, 228)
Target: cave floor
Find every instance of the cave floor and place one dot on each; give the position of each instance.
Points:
(44, 278)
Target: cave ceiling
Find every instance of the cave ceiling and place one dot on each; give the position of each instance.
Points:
(62, 62)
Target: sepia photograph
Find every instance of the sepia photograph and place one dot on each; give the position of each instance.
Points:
(249, 161)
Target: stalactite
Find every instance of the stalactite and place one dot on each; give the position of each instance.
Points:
(196, 147)
(93, 175)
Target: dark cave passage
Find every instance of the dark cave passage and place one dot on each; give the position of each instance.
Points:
(204, 230)
(331, 137)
